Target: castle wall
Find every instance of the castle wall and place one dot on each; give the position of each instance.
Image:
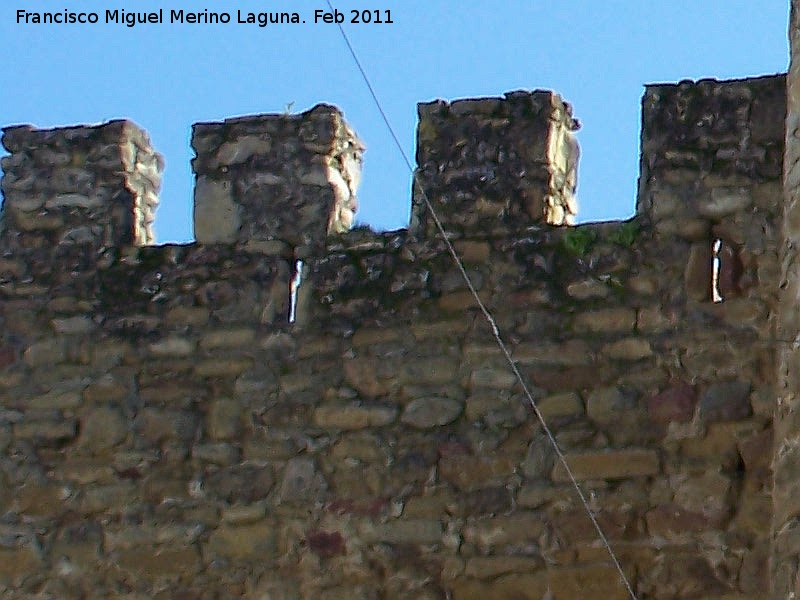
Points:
(166, 432)
(785, 559)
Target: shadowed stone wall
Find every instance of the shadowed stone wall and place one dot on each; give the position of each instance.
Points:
(785, 563)
(165, 432)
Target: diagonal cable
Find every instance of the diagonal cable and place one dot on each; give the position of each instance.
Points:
(489, 318)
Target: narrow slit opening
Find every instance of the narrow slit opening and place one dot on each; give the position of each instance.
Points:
(293, 287)
(716, 297)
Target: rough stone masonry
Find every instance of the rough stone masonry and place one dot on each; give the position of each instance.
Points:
(166, 432)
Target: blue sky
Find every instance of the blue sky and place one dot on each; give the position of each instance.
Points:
(165, 77)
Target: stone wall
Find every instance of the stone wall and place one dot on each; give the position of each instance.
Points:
(165, 432)
(785, 563)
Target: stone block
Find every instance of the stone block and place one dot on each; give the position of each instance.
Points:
(426, 413)
(102, 428)
(521, 530)
(630, 349)
(509, 587)
(599, 580)
(728, 401)
(301, 482)
(239, 483)
(607, 405)
(217, 218)
(149, 563)
(46, 431)
(223, 367)
(422, 532)
(675, 404)
(19, 563)
(491, 567)
(172, 346)
(353, 416)
(674, 523)
(724, 201)
(218, 454)
(469, 473)
(609, 320)
(45, 352)
(224, 419)
(568, 404)
(609, 464)
(253, 542)
(697, 274)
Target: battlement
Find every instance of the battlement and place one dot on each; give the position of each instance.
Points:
(271, 179)
(167, 431)
(78, 185)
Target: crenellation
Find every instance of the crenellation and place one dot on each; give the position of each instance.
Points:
(496, 161)
(291, 178)
(94, 186)
(165, 430)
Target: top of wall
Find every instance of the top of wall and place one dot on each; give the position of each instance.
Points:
(283, 184)
(267, 180)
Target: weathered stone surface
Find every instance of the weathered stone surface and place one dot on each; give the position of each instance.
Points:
(105, 389)
(561, 405)
(46, 430)
(697, 276)
(491, 567)
(628, 349)
(510, 587)
(727, 401)
(229, 338)
(240, 484)
(706, 494)
(256, 542)
(540, 458)
(366, 376)
(608, 405)
(498, 378)
(45, 352)
(103, 428)
(223, 367)
(403, 531)
(425, 413)
(224, 419)
(673, 522)
(149, 563)
(676, 404)
(354, 416)
(469, 473)
(19, 563)
(301, 482)
(241, 149)
(600, 580)
(501, 531)
(609, 464)
(218, 454)
(217, 217)
(620, 320)
(571, 353)
(725, 201)
(157, 425)
(172, 346)
(73, 325)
